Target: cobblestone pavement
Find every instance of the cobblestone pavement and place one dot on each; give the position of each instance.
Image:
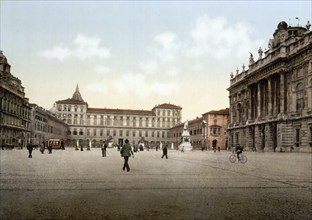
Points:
(192, 185)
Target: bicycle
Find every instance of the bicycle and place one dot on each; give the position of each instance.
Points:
(242, 158)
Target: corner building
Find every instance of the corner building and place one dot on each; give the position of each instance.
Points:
(271, 102)
(45, 125)
(92, 126)
(14, 109)
(206, 132)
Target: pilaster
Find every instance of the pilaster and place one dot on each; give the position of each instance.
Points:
(269, 98)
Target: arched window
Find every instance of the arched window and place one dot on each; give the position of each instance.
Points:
(299, 97)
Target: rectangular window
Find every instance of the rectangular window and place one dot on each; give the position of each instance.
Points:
(134, 122)
(297, 137)
(133, 133)
(146, 122)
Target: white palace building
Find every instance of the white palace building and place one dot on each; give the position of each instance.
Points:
(91, 127)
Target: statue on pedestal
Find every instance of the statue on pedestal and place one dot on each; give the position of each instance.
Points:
(186, 144)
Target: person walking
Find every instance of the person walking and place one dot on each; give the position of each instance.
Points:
(165, 152)
(42, 147)
(30, 149)
(104, 150)
(126, 152)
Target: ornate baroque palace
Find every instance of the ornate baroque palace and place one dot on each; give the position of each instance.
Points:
(271, 102)
(93, 126)
(14, 108)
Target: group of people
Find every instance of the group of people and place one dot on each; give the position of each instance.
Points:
(125, 151)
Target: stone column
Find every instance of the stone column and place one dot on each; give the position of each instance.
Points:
(269, 98)
(250, 104)
(258, 100)
(274, 98)
(282, 92)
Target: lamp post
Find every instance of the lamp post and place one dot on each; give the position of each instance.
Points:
(204, 125)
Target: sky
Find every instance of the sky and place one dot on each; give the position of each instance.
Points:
(138, 54)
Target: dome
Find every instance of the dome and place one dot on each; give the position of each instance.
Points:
(53, 109)
(282, 25)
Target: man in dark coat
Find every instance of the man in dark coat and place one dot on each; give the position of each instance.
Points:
(126, 152)
(30, 149)
(104, 150)
(165, 152)
(239, 150)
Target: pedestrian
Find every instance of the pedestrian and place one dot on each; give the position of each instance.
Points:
(165, 152)
(50, 148)
(104, 150)
(30, 149)
(42, 147)
(62, 145)
(126, 152)
(81, 148)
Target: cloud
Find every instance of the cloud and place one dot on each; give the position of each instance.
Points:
(211, 42)
(149, 67)
(165, 47)
(136, 85)
(216, 38)
(89, 48)
(100, 69)
(60, 53)
(84, 47)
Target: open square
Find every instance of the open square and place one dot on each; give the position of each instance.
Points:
(69, 184)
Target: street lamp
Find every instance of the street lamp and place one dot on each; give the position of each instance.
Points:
(204, 125)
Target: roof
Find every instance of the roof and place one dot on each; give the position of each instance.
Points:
(70, 101)
(167, 106)
(120, 111)
(219, 112)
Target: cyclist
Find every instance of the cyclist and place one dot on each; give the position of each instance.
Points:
(239, 150)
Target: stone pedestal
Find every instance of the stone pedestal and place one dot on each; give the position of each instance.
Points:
(185, 145)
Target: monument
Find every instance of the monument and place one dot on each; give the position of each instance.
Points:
(186, 144)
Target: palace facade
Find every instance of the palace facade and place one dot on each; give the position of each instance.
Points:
(14, 109)
(271, 101)
(93, 126)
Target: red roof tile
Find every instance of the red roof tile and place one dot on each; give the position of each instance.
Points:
(70, 101)
(167, 105)
(120, 111)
